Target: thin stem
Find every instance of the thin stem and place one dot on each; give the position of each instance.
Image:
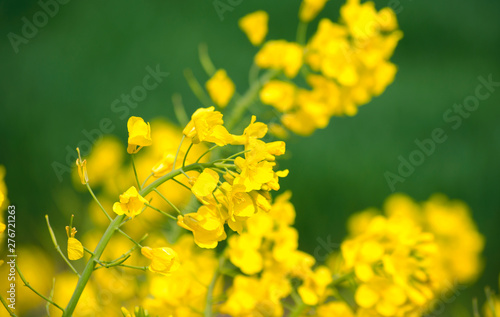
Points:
(168, 201)
(253, 74)
(35, 291)
(161, 212)
(177, 153)
(298, 310)
(112, 227)
(4, 303)
(211, 286)
(247, 99)
(98, 202)
(179, 110)
(302, 33)
(135, 173)
(196, 88)
(149, 176)
(475, 308)
(206, 152)
(51, 296)
(180, 183)
(129, 237)
(89, 267)
(58, 248)
(186, 155)
(205, 60)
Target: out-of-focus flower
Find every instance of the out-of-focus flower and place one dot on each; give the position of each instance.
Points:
(255, 26)
(309, 9)
(139, 134)
(130, 204)
(163, 260)
(281, 55)
(220, 88)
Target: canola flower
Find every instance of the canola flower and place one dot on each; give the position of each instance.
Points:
(220, 242)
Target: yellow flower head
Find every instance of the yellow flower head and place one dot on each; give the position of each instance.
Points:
(130, 204)
(75, 247)
(206, 125)
(139, 134)
(279, 94)
(206, 224)
(220, 88)
(82, 169)
(281, 55)
(205, 183)
(309, 9)
(163, 260)
(255, 26)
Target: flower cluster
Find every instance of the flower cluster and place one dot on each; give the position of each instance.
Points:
(246, 179)
(344, 64)
(402, 260)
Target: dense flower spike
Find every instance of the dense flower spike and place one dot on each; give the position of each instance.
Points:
(220, 88)
(139, 134)
(130, 204)
(345, 63)
(405, 259)
(255, 26)
(163, 260)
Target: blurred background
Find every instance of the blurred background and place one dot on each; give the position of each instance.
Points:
(64, 79)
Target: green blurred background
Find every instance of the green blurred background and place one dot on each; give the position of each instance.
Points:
(66, 77)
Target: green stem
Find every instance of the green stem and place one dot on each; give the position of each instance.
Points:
(35, 291)
(301, 33)
(168, 202)
(98, 202)
(135, 172)
(112, 227)
(186, 155)
(196, 88)
(4, 303)
(205, 60)
(58, 248)
(179, 110)
(298, 310)
(247, 99)
(210, 290)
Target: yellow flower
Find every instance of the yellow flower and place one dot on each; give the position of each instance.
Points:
(337, 308)
(255, 26)
(2, 225)
(139, 134)
(206, 125)
(163, 260)
(75, 247)
(309, 9)
(220, 88)
(82, 169)
(279, 94)
(205, 183)
(315, 286)
(206, 224)
(281, 55)
(130, 204)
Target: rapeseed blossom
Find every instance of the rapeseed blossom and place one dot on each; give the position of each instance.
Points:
(131, 203)
(139, 134)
